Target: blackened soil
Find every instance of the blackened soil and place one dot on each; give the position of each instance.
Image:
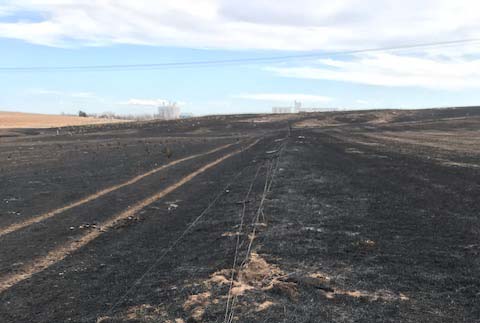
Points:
(375, 223)
(358, 232)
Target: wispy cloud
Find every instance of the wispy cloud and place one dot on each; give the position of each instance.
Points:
(283, 97)
(393, 70)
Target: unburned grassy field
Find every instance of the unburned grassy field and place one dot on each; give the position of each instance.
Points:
(13, 120)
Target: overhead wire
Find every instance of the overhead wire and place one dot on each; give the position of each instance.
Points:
(228, 62)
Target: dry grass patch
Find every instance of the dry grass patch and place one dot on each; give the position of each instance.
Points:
(380, 295)
(196, 305)
(263, 306)
(33, 120)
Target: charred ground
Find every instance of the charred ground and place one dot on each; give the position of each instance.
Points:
(367, 216)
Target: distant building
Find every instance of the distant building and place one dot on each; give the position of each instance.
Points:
(169, 111)
(281, 110)
(297, 106)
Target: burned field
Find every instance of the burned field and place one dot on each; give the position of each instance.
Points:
(337, 217)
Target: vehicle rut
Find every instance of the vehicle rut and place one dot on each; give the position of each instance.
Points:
(63, 251)
(20, 225)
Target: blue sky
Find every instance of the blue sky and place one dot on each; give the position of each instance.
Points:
(77, 33)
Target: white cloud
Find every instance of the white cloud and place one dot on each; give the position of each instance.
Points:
(283, 97)
(384, 69)
(248, 24)
(302, 25)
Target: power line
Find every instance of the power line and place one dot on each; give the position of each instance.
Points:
(227, 62)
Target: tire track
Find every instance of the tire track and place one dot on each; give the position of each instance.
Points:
(20, 225)
(60, 253)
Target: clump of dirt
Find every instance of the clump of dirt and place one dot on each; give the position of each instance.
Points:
(257, 271)
(263, 306)
(196, 305)
(220, 277)
(253, 283)
(259, 275)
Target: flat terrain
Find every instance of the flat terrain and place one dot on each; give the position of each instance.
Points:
(369, 216)
(10, 120)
